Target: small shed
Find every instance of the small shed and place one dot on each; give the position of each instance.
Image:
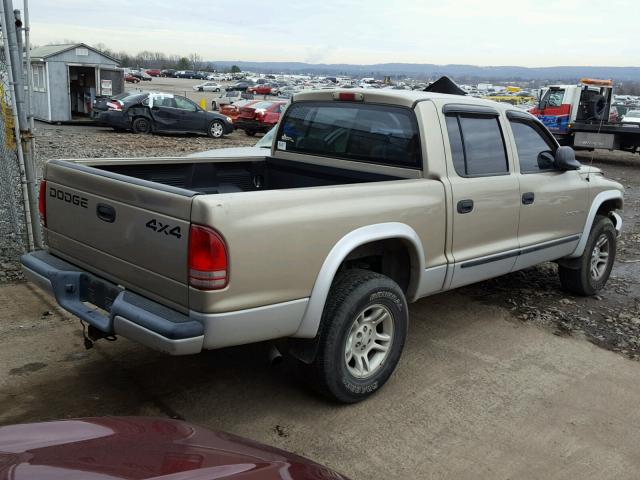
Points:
(68, 78)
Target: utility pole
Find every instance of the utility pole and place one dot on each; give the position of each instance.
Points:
(12, 26)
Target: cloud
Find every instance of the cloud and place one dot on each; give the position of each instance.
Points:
(496, 32)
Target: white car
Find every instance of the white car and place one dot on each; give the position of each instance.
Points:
(208, 87)
(632, 116)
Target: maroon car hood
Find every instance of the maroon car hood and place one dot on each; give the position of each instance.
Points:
(142, 448)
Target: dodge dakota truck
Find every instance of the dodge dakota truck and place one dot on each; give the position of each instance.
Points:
(367, 200)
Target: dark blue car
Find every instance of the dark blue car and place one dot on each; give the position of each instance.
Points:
(145, 112)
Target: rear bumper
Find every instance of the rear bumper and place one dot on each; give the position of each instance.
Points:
(251, 125)
(120, 311)
(113, 118)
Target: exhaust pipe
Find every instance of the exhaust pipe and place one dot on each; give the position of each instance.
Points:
(274, 355)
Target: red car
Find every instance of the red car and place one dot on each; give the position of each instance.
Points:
(154, 72)
(131, 79)
(143, 448)
(264, 89)
(232, 111)
(259, 117)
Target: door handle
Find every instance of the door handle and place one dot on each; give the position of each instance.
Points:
(528, 198)
(106, 213)
(465, 206)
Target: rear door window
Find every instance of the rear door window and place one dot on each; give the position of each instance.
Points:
(185, 104)
(382, 134)
(477, 145)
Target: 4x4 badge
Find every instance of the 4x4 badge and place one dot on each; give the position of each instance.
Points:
(165, 228)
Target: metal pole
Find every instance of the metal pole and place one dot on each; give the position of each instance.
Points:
(27, 46)
(11, 27)
(14, 111)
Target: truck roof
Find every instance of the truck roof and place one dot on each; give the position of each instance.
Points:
(407, 98)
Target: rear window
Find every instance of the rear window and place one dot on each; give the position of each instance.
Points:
(381, 134)
(133, 98)
(262, 105)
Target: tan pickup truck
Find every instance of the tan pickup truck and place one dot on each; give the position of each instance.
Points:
(366, 201)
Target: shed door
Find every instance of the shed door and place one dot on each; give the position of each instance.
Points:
(113, 78)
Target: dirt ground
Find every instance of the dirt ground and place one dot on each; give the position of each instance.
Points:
(509, 378)
(477, 394)
(77, 141)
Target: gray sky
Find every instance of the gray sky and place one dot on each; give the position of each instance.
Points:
(489, 32)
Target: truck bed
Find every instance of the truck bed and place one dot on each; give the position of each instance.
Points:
(243, 176)
(127, 220)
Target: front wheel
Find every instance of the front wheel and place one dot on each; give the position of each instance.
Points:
(216, 129)
(362, 334)
(590, 272)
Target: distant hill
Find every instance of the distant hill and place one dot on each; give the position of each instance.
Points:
(431, 71)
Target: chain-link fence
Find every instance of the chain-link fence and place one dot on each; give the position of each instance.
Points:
(13, 230)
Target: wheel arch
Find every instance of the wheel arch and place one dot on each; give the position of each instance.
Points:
(351, 242)
(605, 203)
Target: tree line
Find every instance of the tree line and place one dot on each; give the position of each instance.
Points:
(148, 59)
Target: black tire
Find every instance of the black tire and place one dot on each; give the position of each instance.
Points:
(217, 89)
(578, 276)
(141, 125)
(250, 133)
(216, 129)
(353, 294)
(201, 89)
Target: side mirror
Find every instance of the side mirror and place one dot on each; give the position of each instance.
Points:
(546, 160)
(565, 159)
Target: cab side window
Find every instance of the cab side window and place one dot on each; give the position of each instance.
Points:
(477, 145)
(535, 152)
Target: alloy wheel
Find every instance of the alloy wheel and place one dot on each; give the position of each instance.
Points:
(369, 341)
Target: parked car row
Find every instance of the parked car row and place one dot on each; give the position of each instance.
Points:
(208, 87)
(199, 75)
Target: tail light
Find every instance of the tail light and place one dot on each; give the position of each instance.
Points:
(114, 105)
(42, 201)
(208, 262)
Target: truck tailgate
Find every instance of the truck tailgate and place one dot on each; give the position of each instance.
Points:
(130, 231)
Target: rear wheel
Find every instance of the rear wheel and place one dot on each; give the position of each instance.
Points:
(216, 129)
(591, 271)
(362, 334)
(141, 125)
